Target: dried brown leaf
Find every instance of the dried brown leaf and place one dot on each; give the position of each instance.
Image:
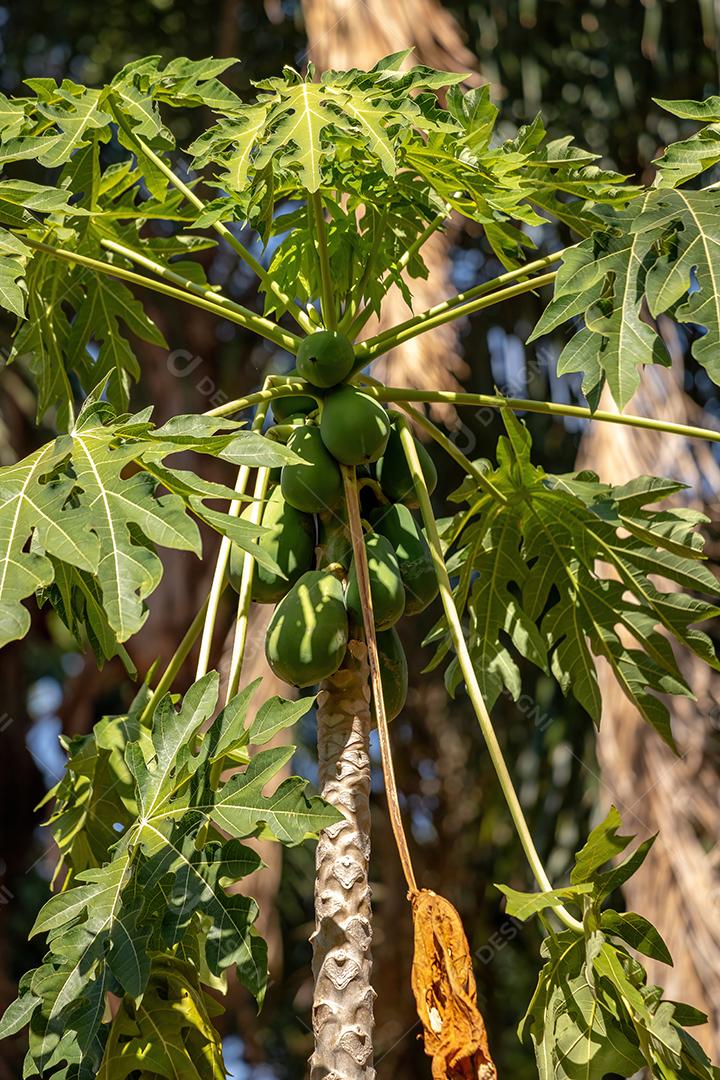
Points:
(445, 993)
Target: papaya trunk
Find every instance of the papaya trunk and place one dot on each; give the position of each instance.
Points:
(343, 1002)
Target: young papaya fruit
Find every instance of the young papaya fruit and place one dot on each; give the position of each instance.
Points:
(354, 426)
(386, 587)
(289, 540)
(398, 525)
(292, 405)
(308, 633)
(393, 672)
(325, 358)
(394, 475)
(316, 485)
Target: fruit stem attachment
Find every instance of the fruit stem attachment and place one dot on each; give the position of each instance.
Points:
(471, 682)
(326, 294)
(363, 578)
(219, 581)
(245, 591)
(376, 389)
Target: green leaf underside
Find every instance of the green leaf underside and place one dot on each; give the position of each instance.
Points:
(659, 256)
(593, 1011)
(567, 570)
(137, 820)
(93, 516)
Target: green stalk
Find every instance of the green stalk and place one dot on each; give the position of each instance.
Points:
(177, 661)
(285, 388)
(178, 279)
(222, 230)
(398, 394)
(245, 593)
(438, 316)
(219, 581)
(471, 682)
(326, 299)
(257, 323)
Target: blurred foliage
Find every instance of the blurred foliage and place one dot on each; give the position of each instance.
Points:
(593, 67)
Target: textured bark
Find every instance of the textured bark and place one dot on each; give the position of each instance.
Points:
(343, 1003)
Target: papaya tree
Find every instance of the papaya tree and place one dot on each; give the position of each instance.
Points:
(328, 189)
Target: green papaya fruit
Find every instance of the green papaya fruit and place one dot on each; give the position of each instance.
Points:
(293, 405)
(308, 633)
(394, 475)
(354, 426)
(398, 525)
(393, 672)
(290, 541)
(317, 485)
(325, 358)
(386, 587)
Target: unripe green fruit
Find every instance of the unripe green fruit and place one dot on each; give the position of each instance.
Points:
(317, 485)
(354, 426)
(386, 587)
(393, 672)
(293, 405)
(325, 358)
(398, 525)
(308, 633)
(394, 474)
(290, 541)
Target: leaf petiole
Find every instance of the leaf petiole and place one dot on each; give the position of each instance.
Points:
(471, 682)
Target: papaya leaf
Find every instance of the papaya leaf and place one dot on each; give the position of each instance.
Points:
(532, 579)
(662, 250)
(593, 1011)
(522, 905)
(150, 875)
(169, 1032)
(683, 160)
(75, 502)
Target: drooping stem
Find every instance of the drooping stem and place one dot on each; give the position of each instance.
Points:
(245, 593)
(471, 683)
(260, 325)
(219, 581)
(177, 661)
(443, 313)
(141, 147)
(361, 565)
(326, 297)
(343, 996)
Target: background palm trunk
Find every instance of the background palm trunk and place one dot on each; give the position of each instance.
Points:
(343, 1001)
(678, 887)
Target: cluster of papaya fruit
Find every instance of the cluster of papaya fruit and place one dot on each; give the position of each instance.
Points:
(318, 599)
